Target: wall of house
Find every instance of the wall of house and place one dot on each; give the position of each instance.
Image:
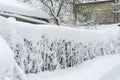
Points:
(98, 12)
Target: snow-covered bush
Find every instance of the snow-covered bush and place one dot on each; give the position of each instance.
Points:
(58, 54)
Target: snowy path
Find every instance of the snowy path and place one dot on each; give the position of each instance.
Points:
(91, 70)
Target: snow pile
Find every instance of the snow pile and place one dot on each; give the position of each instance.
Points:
(53, 32)
(9, 70)
(8, 66)
(48, 47)
(6, 58)
(9, 32)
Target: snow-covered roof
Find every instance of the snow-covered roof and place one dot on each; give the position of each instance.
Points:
(19, 8)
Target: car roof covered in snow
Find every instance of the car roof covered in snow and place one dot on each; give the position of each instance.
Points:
(17, 7)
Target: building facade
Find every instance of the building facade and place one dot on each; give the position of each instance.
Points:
(100, 12)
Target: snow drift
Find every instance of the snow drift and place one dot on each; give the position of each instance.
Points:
(52, 32)
(9, 69)
(6, 58)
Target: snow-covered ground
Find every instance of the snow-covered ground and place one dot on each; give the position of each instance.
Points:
(113, 74)
(6, 58)
(9, 70)
(101, 68)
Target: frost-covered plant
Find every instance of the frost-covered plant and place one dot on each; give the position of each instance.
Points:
(46, 55)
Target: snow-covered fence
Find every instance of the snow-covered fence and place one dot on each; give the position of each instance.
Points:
(47, 47)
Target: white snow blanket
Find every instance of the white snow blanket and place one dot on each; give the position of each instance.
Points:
(9, 70)
(6, 58)
(52, 32)
(34, 32)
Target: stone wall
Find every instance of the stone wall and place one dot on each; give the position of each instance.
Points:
(98, 12)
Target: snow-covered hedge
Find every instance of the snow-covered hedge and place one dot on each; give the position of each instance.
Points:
(54, 47)
(57, 54)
